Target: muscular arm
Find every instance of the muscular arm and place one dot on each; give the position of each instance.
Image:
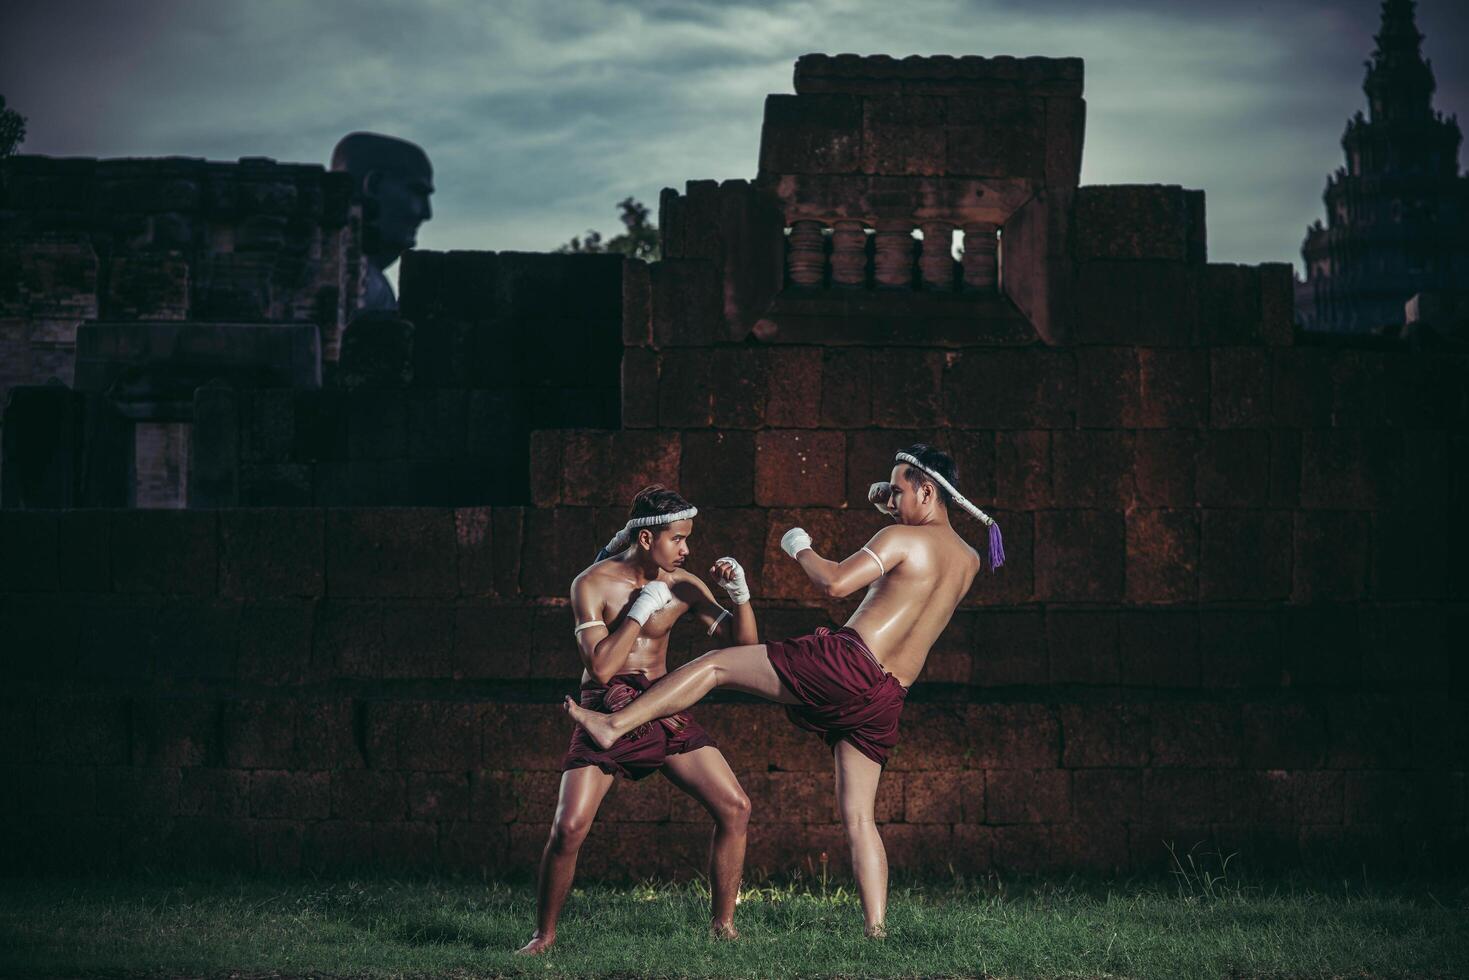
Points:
(839, 579)
(738, 627)
(603, 653)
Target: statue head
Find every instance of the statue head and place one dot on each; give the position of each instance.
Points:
(393, 179)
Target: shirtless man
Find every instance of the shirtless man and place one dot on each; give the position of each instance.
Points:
(625, 605)
(849, 685)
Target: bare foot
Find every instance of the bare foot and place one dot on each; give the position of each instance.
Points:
(538, 944)
(723, 931)
(878, 931)
(597, 724)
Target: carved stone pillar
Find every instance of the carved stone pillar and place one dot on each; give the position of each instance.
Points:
(806, 254)
(894, 261)
(849, 254)
(937, 261)
(981, 257)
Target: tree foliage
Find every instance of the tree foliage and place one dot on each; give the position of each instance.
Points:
(12, 129)
(638, 241)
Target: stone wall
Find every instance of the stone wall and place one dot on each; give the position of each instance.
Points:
(1230, 615)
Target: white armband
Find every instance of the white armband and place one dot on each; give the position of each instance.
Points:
(881, 568)
(586, 626)
(723, 614)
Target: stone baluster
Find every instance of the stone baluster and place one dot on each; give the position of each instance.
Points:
(849, 254)
(894, 261)
(981, 257)
(806, 254)
(937, 261)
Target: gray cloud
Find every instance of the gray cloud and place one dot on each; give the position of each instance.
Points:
(539, 116)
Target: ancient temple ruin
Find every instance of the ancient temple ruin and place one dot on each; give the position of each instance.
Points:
(1228, 615)
(1397, 214)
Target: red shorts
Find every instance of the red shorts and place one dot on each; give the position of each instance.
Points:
(844, 692)
(642, 751)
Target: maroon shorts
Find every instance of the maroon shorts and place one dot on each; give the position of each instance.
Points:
(642, 751)
(844, 692)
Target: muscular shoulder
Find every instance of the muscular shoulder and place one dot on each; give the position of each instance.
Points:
(596, 580)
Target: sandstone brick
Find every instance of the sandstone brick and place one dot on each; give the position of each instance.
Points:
(795, 468)
(687, 302)
(1027, 795)
(847, 396)
(1023, 468)
(1330, 555)
(137, 793)
(1240, 648)
(1316, 796)
(1234, 469)
(1195, 735)
(1229, 304)
(1132, 222)
(402, 552)
(438, 736)
(1163, 468)
(811, 134)
(441, 797)
(275, 641)
(82, 731)
(1022, 848)
(903, 134)
(1323, 647)
(363, 794)
(1082, 646)
(472, 848)
(1283, 736)
(738, 387)
(386, 639)
(1010, 389)
(1079, 555)
(718, 467)
(174, 732)
(271, 552)
(1239, 384)
(1243, 555)
(299, 795)
(160, 551)
(1004, 735)
(932, 797)
(1349, 469)
(639, 385)
(559, 543)
(794, 376)
(1159, 648)
(1010, 649)
(507, 537)
(910, 389)
(1098, 846)
(1104, 735)
(338, 846)
(1162, 555)
(214, 793)
(1091, 468)
(1107, 793)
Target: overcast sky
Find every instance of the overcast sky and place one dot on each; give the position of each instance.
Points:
(540, 114)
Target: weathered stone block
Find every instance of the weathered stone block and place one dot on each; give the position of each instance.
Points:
(271, 552)
(1091, 468)
(1132, 221)
(1163, 467)
(393, 552)
(1005, 735)
(168, 552)
(1027, 795)
(794, 376)
(718, 468)
(1082, 646)
(687, 303)
(1002, 389)
(1240, 388)
(1162, 555)
(1233, 468)
(492, 641)
(1240, 648)
(1195, 735)
(1243, 555)
(1079, 555)
(1330, 555)
(811, 134)
(1159, 648)
(800, 468)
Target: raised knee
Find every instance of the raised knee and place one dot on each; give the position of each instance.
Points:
(567, 833)
(734, 810)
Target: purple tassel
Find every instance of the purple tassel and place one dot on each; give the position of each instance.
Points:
(997, 547)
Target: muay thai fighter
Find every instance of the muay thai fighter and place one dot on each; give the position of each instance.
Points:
(625, 604)
(848, 686)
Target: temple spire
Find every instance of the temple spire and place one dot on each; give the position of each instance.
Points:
(1399, 82)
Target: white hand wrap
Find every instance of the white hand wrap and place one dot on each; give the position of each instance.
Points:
(878, 496)
(795, 541)
(651, 598)
(739, 592)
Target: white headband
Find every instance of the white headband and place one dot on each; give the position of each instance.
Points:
(623, 538)
(997, 547)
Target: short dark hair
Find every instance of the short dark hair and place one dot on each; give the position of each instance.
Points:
(936, 461)
(656, 499)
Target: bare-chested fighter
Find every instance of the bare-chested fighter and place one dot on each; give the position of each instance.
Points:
(625, 604)
(849, 685)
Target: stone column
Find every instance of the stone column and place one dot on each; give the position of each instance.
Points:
(849, 254)
(894, 262)
(806, 254)
(937, 261)
(981, 257)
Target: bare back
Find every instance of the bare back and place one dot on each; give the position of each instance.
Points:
(928, 569)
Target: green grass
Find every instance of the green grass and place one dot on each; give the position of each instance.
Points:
(1180, 927)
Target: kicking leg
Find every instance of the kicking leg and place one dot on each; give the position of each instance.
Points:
(705, 775)
(582, 791)
(744, 669)
(856, 786)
